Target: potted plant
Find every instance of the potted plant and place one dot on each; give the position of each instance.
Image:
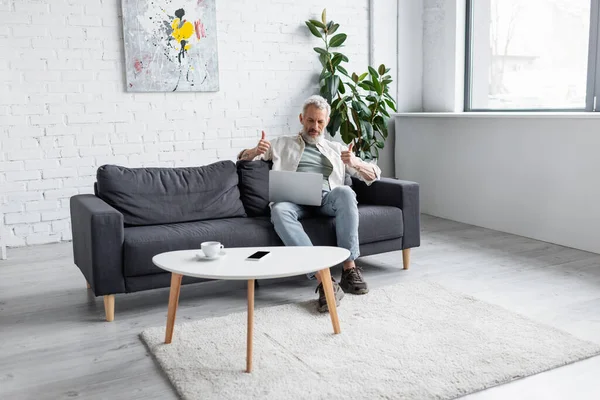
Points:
(359, 103)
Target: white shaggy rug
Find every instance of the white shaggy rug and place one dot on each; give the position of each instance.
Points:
(406, 341)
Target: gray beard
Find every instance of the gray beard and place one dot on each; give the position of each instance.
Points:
(312, 140)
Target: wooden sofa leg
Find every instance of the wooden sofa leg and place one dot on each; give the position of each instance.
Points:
(88, 285)
(109, 307)
(406, 258)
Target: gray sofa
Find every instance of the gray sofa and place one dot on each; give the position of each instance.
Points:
(137, 213)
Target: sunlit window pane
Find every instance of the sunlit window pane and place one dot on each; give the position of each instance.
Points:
(529, 54)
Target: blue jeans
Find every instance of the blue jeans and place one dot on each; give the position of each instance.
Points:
(339, 203)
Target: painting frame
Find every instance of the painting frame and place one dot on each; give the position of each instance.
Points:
(170, 45)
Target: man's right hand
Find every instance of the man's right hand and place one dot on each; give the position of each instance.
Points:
(263, 145)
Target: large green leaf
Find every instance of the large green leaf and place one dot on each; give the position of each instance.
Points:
(336, 60)
(324, 59)
(313, 29)
(337, 104)
(323, 89)
(380, 144)
(373, 73)
(380, 129)
(332, 84)
(337, 40)
(368, 130)
(344, 58)
(320, 50)
(341, 88)
(367, 85)
(324, 74)
(384, 130)
(334, 27)
(386, 81)
(336, 122)
(377, 86)
(391, 105)
(334, 104)
(317, 23)
(356, 119)
(345, 131)
(363, 76)
(364, 108)
(342, 70)
(356, 107)
(381, 125)
(363, 131)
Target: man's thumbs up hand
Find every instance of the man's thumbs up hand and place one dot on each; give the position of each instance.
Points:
(263, 144)
(348, 156)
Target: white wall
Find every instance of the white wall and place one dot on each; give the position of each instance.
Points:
(64, 111)
(535, 176)
(443, 55)
(384, 49)
(410, 55)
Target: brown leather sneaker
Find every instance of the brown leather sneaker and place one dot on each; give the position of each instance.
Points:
(339, 295)
(353, 282)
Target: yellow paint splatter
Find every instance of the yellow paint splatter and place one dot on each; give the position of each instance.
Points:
(183, 33)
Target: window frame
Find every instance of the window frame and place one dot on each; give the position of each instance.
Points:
(593, 71)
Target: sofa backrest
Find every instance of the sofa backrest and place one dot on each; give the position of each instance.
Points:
(151, 196)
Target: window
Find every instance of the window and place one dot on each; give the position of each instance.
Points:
(531, 55)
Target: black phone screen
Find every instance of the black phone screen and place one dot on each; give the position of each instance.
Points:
(258, 255)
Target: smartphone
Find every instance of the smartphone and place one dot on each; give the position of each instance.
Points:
(259, 255)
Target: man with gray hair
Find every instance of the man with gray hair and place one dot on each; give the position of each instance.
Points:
(309, 151)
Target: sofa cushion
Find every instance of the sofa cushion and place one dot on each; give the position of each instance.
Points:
(375, 223)
(254, 186)
(141, 243)
(379, 223)
(149, 196)
(144, 242)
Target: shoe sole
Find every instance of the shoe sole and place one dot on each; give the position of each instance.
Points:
(324, 308)
(352, 291)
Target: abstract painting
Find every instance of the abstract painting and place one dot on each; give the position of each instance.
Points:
(170, 45)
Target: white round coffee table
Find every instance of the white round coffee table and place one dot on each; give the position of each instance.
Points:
(281, 262)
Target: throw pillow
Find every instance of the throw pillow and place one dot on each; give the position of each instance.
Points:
(254, 186)
(151, 196)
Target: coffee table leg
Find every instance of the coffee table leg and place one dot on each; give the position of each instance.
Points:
(250, 325)
(173, 303)
(330, 296)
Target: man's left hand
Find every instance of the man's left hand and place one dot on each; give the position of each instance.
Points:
(349, 158)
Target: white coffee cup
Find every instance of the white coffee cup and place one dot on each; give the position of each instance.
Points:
(211, 249)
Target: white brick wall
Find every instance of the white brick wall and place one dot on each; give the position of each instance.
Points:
(64, 110)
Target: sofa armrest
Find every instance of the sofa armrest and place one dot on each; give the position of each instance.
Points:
(98, 234)
(397, 193)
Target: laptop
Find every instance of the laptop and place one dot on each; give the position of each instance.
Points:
(303, 188)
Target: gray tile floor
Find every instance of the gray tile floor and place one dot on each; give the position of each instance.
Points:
(54, 343)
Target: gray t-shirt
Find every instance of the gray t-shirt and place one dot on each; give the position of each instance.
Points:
(313, 161)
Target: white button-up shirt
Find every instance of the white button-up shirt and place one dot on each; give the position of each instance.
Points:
(286, 152)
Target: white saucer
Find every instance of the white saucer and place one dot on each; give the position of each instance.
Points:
(203, 257)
